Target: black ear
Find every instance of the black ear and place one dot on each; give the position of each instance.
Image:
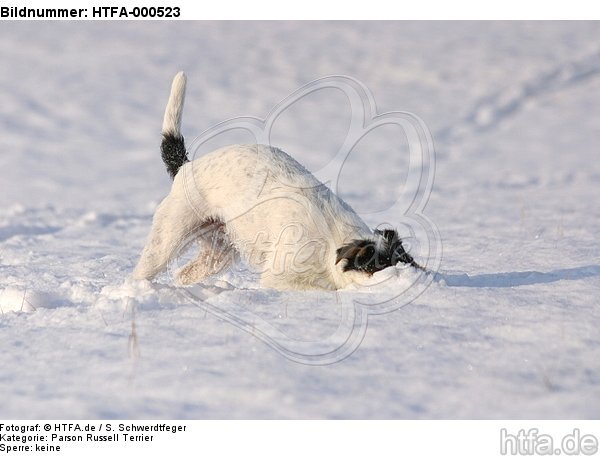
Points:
(370, 255)
(360, 255)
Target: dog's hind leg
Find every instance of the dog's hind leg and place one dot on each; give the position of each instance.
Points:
(215, 254)
(174, 223)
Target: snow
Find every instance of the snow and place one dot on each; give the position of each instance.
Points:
(508, 328)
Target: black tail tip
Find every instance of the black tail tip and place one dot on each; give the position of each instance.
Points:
(173, 153)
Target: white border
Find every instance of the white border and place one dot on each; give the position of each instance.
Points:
(345, 10)
(302, 438)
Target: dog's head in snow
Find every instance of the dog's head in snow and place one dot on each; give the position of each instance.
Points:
(256, 203)
(373, 255)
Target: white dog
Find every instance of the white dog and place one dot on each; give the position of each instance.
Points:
(258, 203)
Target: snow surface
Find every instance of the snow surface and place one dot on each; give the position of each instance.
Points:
(509, 328)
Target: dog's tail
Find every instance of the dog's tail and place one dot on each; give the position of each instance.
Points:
(173, 146)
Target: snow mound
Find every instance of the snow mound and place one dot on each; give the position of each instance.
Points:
(15, 299)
